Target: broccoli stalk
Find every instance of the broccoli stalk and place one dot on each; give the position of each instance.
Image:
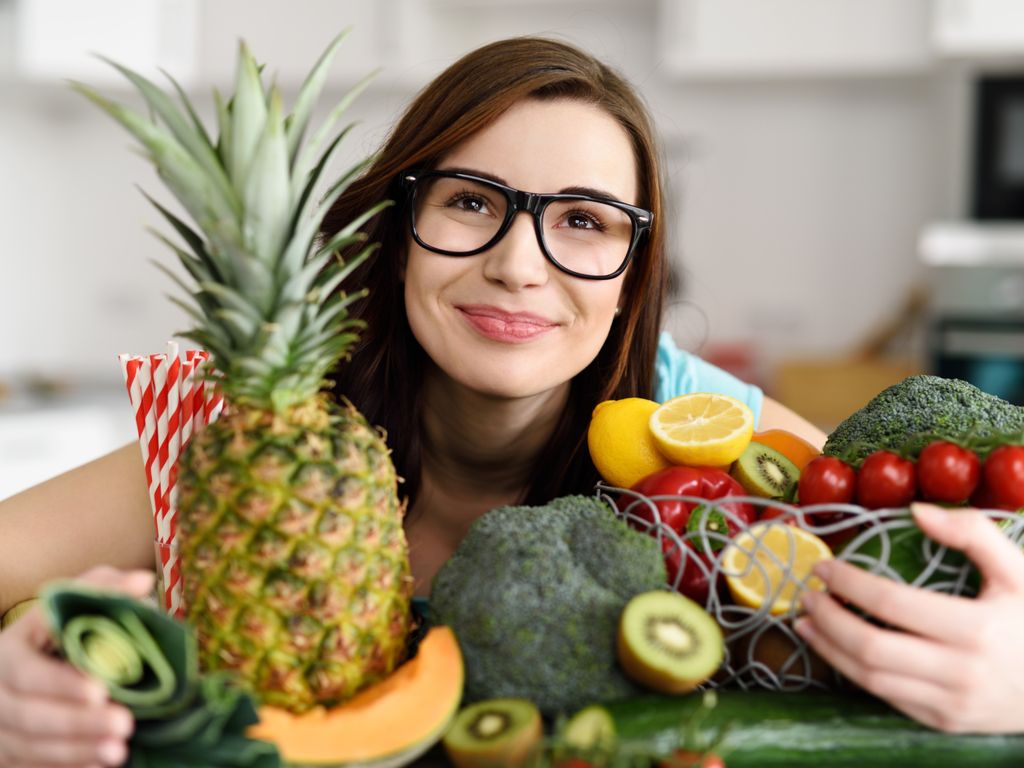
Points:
(908, 415)
(534, 595)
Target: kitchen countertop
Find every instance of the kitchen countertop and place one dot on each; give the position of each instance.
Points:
(972, 243)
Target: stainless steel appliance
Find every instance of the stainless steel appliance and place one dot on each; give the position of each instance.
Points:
(976, 272)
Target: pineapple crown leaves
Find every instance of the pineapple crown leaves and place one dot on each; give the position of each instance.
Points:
(263, 292)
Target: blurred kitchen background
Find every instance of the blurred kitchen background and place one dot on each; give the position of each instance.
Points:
(846, 181)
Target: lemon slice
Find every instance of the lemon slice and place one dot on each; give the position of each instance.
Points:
(770, 564)
(702, 429)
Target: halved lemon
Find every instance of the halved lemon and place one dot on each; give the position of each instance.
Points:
(770, 564)
(702, 429)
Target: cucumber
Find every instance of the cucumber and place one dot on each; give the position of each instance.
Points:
(764, 729)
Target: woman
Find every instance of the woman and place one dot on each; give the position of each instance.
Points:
(487, 348)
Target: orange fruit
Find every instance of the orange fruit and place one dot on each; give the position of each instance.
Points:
(789, 444)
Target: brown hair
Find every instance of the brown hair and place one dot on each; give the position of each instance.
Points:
(384, 375)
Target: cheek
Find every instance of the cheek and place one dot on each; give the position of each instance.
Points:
(420, 288)
(595, 302)
(595, 305)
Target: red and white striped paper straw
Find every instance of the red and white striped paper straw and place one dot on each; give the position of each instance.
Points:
(171, 403)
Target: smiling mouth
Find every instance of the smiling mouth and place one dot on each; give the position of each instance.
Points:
(507, 327)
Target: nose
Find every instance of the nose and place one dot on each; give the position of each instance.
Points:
(517, 261)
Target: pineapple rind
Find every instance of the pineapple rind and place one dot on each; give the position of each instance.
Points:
(294, 560)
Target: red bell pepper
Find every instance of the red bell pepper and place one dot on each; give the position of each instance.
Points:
(702, 483)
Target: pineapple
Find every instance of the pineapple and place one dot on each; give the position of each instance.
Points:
(294, 561)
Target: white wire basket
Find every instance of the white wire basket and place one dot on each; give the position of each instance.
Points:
(762, 649)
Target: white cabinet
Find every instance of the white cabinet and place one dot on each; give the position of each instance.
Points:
(979, 28)
(197, 40)
(290, 36)
(752, 38)
(52, 40)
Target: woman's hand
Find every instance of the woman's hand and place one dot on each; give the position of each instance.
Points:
(956, 665)
(50, 713)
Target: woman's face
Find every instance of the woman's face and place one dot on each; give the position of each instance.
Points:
(507, 322)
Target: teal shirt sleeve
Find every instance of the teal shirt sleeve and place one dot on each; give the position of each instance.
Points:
(678, 372)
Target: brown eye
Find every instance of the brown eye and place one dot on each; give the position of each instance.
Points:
(583, 220)
(469, 202)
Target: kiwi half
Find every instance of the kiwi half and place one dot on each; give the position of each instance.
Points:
(763, 471)
(496, 732)
(590, 729)
(668, 643)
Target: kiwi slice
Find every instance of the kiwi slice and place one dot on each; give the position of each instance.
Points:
(495, 732)
(763, 471)
(711, 527)
(668, 643)
(590, 729)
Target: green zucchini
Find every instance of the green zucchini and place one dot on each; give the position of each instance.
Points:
(765, 729)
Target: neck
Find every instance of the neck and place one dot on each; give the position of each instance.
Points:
(479, 452)
(482, 445)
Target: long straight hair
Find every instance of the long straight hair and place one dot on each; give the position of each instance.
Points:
(384, 374)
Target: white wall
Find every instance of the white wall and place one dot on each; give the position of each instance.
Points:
(797, 200)
(798, 204)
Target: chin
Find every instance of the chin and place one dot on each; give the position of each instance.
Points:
(510, 381)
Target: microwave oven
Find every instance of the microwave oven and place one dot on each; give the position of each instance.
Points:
(998, 148)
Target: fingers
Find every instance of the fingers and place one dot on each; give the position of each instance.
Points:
(43, 717)
(135, 583)
(34, 674)
(893, 686)
(51, 713)
(969, 531)
(20, 749)
(880, 650)
(941, 617)
(28, 671)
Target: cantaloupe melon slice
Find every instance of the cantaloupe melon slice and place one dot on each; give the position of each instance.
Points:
(388, 725)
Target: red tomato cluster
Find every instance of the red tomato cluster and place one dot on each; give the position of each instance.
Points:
(944, 473)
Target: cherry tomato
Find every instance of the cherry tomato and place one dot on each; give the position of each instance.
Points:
(947, 473)
(1004, 476)
(827, 480)
(982, 498)
(886, 480)
(702, 482)
(684, 758)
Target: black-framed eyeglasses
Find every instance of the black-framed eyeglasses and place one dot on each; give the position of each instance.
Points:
(458, 214)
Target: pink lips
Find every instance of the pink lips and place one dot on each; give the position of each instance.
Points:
(509, 327)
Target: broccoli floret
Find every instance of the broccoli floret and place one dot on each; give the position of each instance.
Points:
(908, 415)
(534, 595)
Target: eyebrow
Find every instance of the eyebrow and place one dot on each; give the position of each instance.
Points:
(574, 190)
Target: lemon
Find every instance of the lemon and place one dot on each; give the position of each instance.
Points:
(702, 429)
(620, 441)
(770, 564)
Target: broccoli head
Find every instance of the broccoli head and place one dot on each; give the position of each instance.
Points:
(908, 415)
(534, 595)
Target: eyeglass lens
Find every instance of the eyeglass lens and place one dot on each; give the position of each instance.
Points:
(460, 215)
